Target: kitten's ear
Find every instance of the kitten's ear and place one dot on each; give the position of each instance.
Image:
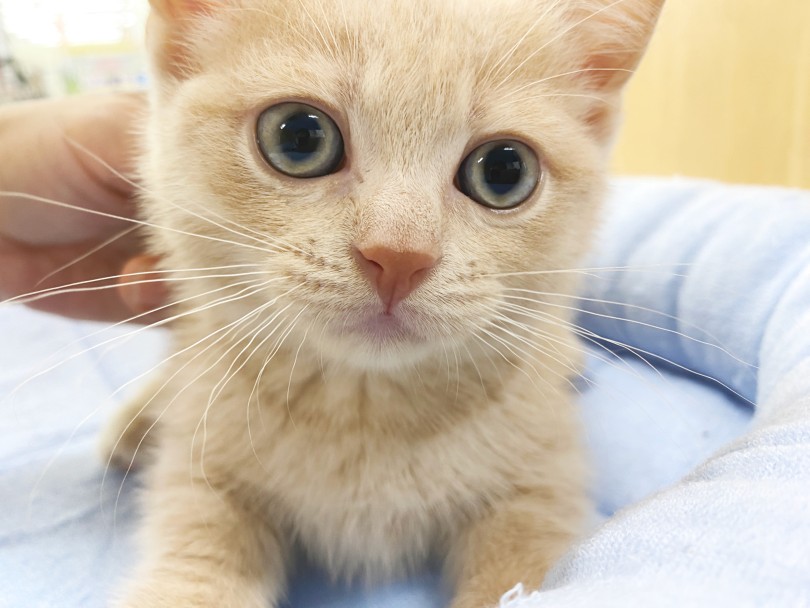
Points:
(171, 24)
(614, 34)
(179, 9)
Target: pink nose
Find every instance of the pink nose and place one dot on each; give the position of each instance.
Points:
(394, 274)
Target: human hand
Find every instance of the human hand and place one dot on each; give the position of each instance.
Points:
(47, 150)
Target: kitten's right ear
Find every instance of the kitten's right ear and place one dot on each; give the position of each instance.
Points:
(608, 39)
(170, 26)
(614, 35)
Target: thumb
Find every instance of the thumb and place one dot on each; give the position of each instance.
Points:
(141, 289)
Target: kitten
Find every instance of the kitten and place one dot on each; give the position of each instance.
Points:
(379, 370)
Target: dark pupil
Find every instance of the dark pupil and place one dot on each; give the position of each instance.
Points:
(503, 168)
(301, 136)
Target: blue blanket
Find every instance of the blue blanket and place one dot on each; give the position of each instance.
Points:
(697, 307)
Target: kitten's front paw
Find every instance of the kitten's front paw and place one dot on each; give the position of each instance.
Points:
(193, 594)
(471, 601)
(131, 432)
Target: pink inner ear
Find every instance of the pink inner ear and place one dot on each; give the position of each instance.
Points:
(614, 35)
(609, 70)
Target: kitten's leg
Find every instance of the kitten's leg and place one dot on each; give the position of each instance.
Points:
(131, 431)
(204, 549)
(516, 543)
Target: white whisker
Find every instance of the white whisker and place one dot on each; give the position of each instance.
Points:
(554, 39)
(564, 74)
(87, 254)
(590, 272)
(545, 352)
(295, 362)
(55, 203)
(255, 285)
(230, 373)
(635, 350)
(48, 293)
(717, 346)
(611, 358)
(496, 66)
(231, 327)
(241, 229)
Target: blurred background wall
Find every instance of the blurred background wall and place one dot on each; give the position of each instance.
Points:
(59, 47)
(724, 92)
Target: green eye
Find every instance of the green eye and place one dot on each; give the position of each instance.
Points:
(500, 174)
(299, 140)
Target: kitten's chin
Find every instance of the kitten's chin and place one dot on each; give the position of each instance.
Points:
(378, 341)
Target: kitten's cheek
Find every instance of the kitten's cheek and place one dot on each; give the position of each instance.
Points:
(140, 288)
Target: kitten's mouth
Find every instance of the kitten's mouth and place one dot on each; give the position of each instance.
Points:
(371, 338)
(381, 326)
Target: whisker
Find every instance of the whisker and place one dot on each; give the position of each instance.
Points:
(220, 386)
(318, 29)
(84, 421)
(512, 348)
(717, 346)
(547, 317)
(571, 73)
(550, 349)
(295, 362)
(530, 313)
(326, 25)
(87, 254)
(55, 203)
(504, 357)
(156, 324)
(591, 272)
(611, 358)
(230, 373)
(592, 97)
(58, 291)
(458, 372)
(230, 327)
(554, 39)
(477, 370)
(224, 382)
(496, 66)
(446, 363)
(485, 352)
(245, 293)
(543, 351)
(240, 232)
(217, 390)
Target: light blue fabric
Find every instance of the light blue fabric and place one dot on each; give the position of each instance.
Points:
(727, 266)
(736, 530)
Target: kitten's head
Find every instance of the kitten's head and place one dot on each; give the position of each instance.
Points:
(397, 171)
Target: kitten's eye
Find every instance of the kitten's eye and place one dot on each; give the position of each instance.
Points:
(299, 140)
(500, 174)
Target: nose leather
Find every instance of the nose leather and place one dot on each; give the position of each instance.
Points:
(394, 274)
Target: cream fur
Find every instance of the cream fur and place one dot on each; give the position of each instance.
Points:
(455, 438)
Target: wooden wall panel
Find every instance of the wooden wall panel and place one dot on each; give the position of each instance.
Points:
(723, 93)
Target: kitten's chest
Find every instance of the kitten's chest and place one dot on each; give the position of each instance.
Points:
(369, 500)
(366, 506)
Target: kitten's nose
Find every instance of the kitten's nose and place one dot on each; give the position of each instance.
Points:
(394, 274)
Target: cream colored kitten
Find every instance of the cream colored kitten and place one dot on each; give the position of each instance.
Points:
(378, 365)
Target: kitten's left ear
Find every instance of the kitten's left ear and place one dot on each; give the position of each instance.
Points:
(614, 34)
(179, 9)
(171, 26)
